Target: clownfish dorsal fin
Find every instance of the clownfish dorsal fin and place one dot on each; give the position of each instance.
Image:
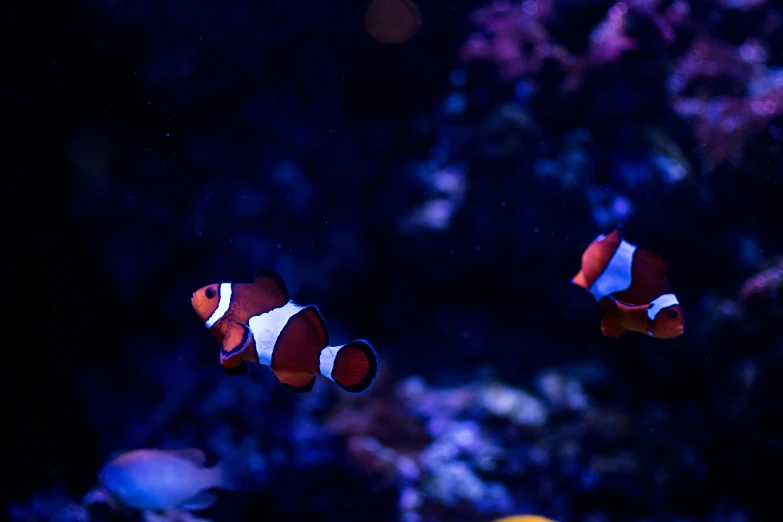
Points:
(272, 282)
(194, 455)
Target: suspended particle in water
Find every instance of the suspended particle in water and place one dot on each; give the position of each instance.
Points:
(392, 21)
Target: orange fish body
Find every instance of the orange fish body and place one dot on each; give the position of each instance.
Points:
(631, 286)
(258, 322)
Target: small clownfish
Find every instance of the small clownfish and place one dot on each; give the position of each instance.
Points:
(631, 286)
(154, 479)
(258, 322)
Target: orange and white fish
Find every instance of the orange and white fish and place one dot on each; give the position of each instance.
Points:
(258, 322)
(766, 283)
(631, 286)
(155, 479)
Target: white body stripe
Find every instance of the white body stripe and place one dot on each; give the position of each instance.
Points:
(617, 276)
(225, 302)
(659, 303)
(267, 327)
(326, 360)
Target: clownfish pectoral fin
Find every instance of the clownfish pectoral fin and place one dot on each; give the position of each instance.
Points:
(295, 382)
(236, 343)
(273, 283)
(238, 337)
(352, 366)
(610, 326)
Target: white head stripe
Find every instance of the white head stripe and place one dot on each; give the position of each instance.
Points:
(268, 326)
(225, 302)
(326, 360)
(618, 275)
(659, 303)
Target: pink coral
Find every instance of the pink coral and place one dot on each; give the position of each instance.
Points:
(512, 36)
(608, 42)
(722, 123)
(515, 37)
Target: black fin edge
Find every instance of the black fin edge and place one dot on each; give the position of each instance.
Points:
(242, 344)
(320, 320)
(363, 385)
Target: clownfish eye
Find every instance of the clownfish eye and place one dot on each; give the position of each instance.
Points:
(672, 313)
(210, 293)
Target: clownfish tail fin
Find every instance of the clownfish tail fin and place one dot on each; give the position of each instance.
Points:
(352, 366)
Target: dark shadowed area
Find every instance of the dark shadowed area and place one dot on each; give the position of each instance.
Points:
(434, 196)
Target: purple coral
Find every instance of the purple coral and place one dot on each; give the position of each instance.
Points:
(722, 123)
(515, 37)
(479, 469)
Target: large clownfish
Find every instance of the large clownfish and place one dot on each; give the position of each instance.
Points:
(631, 286)
(258, 322)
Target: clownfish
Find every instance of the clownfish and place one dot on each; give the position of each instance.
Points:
(258, 322)
(631, 286)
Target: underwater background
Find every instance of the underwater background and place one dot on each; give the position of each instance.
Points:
(434, 196)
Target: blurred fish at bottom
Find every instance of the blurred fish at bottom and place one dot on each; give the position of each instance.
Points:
(158, 479)
(523, 518)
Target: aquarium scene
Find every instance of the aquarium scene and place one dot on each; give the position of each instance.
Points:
(394, 261)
